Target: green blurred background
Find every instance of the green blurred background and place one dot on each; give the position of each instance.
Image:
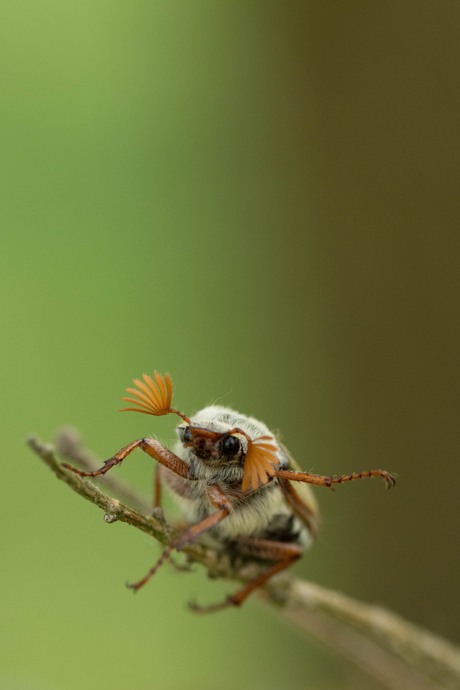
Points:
(261, 198)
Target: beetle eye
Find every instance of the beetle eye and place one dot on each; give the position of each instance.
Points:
(230, 445)
(186, 435)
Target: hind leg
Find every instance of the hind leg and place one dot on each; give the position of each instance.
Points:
(281, 555)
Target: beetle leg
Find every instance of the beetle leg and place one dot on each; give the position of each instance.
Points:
(328, 481)
(150, 446)
(283, 555)
(223, 505)
(157, 487)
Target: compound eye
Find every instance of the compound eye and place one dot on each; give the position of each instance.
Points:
(186, 435)
(230, 445)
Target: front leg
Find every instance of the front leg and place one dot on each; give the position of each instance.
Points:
(150, 446)
(223, 506)
(328, 481)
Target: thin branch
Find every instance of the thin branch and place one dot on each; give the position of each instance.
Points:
(431, 654)
(396, 653)
(389, 671)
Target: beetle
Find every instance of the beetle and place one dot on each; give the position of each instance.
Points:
(232, 479)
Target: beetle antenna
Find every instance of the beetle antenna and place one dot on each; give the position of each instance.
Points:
(153, 396)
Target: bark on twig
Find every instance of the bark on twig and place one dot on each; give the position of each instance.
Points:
(395, 652)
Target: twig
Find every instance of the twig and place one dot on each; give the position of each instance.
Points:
(385, 668)
(396, 653)
(431, 654)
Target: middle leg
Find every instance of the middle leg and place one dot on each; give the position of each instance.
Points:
(221, 502)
